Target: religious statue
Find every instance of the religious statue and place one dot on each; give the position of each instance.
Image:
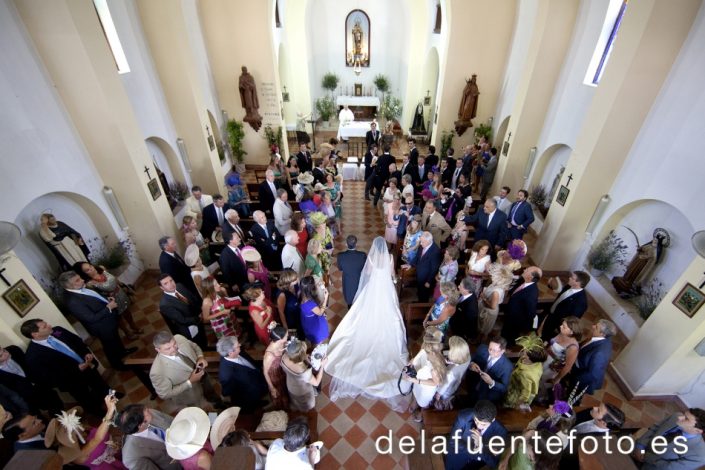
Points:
(418, 127)
(357, 40)
(65, 243)
(642, 264)
(468, 106)
(248, 96)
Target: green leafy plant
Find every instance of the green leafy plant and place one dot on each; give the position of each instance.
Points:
(330, 82)
(390, 108)
(483, 130)
(273, 137)
(538, 195)
(178, 190)
(236, 135)
(650, 297)
(382, 83)
(446, 142)
(110, 256)
(325, 107)
(221, 152)
(611, 251)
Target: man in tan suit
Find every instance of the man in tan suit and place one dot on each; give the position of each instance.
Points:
(178, 373)
(196, 202)
(434, 222)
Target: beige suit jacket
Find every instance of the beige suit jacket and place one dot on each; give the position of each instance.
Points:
(193, 207)
(438, 227)
(170, 378)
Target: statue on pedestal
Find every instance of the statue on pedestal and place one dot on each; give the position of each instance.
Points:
(65, 243)
(418, 127)
(248, 96)
(468, 106)
(642, 265)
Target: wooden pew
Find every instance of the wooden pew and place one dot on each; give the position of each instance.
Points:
(440, 423)
(415, 311)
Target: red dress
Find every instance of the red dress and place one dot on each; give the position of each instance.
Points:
(261, 333)
(302, 246)
(278, 379)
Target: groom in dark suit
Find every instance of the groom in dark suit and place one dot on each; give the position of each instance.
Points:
(372, 136)
(478, 428)
(490, 224)
(351, 262)
(521, 308)
(13, 375)
(521, 215)
(240, 376)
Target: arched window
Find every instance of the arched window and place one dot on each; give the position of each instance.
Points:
(613, 19)
(437, 27)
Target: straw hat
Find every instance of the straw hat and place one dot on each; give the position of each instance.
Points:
(319, 187)
(318, 218)
(250, 254)
(305, 178)
(223, 424)
(188, 433)
(191, 256)
(64, 431)
(432, 335)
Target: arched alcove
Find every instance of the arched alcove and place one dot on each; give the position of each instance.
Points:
(642, 217)
(499, 136)
(548, 169)
(167, 160)
(217, 140)
(75, 210)
(429, 85)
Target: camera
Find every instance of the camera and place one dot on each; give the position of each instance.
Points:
(112, 392)
(410, 370)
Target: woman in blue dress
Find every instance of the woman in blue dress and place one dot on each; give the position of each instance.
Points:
(411, 240)
(444, 308)
(313, 317)
(287, 301)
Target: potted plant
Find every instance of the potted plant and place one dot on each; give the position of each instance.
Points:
(610, 251)
(178, 190)
(446, 142)
(382, 84)
(115, 257)
(649, 299)
(483, 130)
(330, 82)
(326, 109)
(236, 134)
(274, 138)
(538, 196)
(390, 108)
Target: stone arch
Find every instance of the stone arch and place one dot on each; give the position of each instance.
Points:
(499, 136)
(643, 216)
(429, 81)
(74, 209)
(164, 157)
(548, 166)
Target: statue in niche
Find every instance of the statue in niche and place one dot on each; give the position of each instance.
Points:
(65, 243)
(417, 127)
(468, 106)
(248, 96)
(556, 182)
(642, 265)
(357, 40)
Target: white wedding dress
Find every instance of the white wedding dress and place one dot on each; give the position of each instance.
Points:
(368, 349)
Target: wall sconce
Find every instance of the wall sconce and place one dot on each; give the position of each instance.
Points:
(184, 153)
(226, 118)
(115, 207)
(599, 209)
(530, 163)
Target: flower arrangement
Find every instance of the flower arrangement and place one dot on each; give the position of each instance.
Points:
(611, 250)
(538, 195)
(650, 297)
(274, 138)
(110, 256)
(446, 142)
(382, 83)
(236, 135)
(178, 190)
(330, 82)
(517, 249)
(391, 108)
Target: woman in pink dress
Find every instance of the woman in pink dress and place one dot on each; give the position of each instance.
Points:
(256, 271)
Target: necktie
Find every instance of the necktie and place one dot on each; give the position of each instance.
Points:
(181, 298)
(239, 232)
(200, 204)
(94, 294)
(186, 360)
(266, 232)
(514, 211)
(219, 213)
(158, 432)
(239, 255)
(63, 349)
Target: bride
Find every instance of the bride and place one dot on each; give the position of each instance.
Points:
(368, 349)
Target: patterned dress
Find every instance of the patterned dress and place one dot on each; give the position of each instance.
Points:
(278, 378)
(107, 285)
(225, 324)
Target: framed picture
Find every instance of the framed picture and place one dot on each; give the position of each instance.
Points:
(505, 148)
(211, 142)
(21, 298)
(357, 39)
(154, 189)
(358, 89)
(427, 101)
(285, 96)
(562, 195)
(689, 299)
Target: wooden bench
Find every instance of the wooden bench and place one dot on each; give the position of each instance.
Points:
(415, 311)
(440, 423)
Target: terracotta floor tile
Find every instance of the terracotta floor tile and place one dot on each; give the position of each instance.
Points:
(355, 411)
(355, 462)
(355, 436)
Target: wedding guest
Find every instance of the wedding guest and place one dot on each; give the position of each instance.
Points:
(291, 258)
(526, 376)
(439, 315)
(298, 224)
(475, 427)
(282, 211)
(187, 439)
(292, 452)
(241, 438)
(199, 273)
(477, 264)
(493, 371)
(217, 309)
(322, 233)
(457, 363)
(271, 366)
(390, 194)
(448, 270)
(145, 430)
(313, 317)
(286, 297)
(301, 381)
(562, 352)
(412, 240)
(256, 270)
(492, 296)
(261, 312)
(430, 370)
(392, 219)
(335, 189)
(240, 376)
(192, 236)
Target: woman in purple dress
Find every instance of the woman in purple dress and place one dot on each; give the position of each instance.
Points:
(313, 317)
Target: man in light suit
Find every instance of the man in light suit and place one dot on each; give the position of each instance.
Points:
(521, 215)
(232, 264)
(178, 372)
(490, 224)
(291, 258)
(464, 322)
(432, 221)
(493, 371)
(181, 310)
(475, 427)
(427, 262)
(521, 308)
(681, 445)
(593, 358)
(266, 238)
(282, 211)
(267, 193)
(351, 262)
(372, 136)
(240, 376)
(144, 446)
(52, 359)
(503, 202)
(97, 314)
(171, 263)
(196, 203)
(572, 301)
(489, 170)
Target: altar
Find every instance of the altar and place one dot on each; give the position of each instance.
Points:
(363, 107)
(353, 129)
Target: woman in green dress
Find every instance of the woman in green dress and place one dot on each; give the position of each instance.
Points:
(526, 377)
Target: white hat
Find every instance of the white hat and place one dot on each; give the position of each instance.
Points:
(250, 254)
(319, 187)
(223, 424)
(305, 178)
(187, 433)
(191, 255)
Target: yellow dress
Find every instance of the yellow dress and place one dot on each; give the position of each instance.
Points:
(523, 384)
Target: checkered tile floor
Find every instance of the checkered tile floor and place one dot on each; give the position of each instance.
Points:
(348, 428)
